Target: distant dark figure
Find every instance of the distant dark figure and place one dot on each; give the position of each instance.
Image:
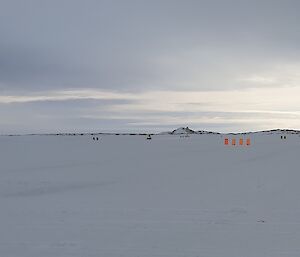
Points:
(148, 137)
(97, 138)
(284, 137)
(94, 138)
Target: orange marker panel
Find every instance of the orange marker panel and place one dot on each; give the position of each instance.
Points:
(241, 142)
(226, 141)
(233, 142)
(248, 141)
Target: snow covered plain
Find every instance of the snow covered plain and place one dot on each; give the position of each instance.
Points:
(170, 196)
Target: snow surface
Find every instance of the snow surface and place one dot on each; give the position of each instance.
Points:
(169, 196)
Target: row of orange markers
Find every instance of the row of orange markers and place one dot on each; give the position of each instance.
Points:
(234, 141)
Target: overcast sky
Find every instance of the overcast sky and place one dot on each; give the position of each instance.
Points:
(92, 65)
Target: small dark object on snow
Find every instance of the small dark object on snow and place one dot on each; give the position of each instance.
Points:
(93, 138)
(148, 137)
(261, 221)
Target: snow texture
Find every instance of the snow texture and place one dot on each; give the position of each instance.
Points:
(171, 197)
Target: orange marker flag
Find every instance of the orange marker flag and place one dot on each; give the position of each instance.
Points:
(248, 141)
(233, 141)
(241, 141)
(226, 141)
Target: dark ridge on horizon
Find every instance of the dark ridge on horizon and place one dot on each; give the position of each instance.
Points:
(178, 131)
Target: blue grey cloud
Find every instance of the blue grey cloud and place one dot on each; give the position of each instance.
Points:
(141, 46)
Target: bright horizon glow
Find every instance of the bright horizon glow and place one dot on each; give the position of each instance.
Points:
(253, 108)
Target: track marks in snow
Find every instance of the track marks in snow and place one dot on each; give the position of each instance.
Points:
(56, 189)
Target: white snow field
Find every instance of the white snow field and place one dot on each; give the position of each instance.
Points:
(131, 197)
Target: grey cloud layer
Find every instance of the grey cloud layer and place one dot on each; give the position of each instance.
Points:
(139, 46)
(142, 44)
